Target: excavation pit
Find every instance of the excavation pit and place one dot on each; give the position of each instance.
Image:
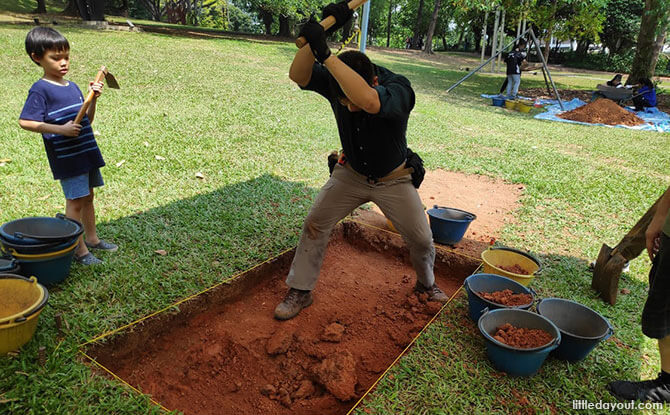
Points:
(223, 352)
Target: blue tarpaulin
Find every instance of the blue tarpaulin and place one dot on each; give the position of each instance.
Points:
(655, 119)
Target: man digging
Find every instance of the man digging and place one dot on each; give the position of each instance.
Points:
(371, 107)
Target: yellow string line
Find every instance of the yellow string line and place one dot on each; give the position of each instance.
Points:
(441, 248)
(183, 300)
(405, 351)
(122, 381)
(348, 41)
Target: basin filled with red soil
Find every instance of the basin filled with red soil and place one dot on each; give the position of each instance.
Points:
(224, 353)
(507, 297)
(516, 269)
(603, 111)
(522, 338)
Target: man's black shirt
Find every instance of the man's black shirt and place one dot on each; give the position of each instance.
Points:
(374, 144)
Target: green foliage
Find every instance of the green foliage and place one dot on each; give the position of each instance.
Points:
(241, 21)
(620, 63)
(622, 24)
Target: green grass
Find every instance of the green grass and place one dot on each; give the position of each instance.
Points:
(226, 108)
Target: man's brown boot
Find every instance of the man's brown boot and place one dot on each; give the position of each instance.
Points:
(434, 292)
(294, 301)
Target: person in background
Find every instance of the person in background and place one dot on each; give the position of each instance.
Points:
(645, 96)
(515, 61)
(656, 312)
(616, 81)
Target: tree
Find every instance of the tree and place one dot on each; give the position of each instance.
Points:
(154, 8)
(41, 7)
(417, 27)
(650, 40)
(431, 28)
(621, 25)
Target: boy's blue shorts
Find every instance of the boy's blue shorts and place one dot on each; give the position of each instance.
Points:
(79, 186)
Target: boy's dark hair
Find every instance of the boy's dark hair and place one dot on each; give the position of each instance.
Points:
(40, 39)
(360, 63)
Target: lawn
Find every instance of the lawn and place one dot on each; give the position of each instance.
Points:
(225, 108)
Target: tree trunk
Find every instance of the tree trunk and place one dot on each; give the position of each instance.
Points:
(444, 41)
(71, 8)
(431, 28)
(284, 30)
(550, 31)
(417, 26)
(153, 7)
(41, 7)
(388, 24)
(267, 18)
(483, 36)
(124, 8)
(649, 41)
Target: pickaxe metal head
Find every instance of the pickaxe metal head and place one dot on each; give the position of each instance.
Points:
(111, 81)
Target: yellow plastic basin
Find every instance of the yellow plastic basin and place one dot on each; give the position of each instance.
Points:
(493, 258)
(523, 106)
(510, 104)
(21, 302)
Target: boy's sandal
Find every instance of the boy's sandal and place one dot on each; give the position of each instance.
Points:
(103, 246)
(88, 259)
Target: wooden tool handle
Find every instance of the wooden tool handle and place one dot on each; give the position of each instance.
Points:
(89, 98)
(329, 21)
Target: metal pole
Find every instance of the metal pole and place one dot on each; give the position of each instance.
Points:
(486, 17)
(485, 63)
(364, 25)
(544, 64)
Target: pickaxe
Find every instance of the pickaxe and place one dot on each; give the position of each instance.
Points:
(329, 21)
(111, 82)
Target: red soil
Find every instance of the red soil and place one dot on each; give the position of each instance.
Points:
(507, 297)
(603, 111)
(522, 337)
(225, 350)
(516, 269)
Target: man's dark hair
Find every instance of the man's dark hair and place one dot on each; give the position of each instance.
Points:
(40, 39)
(521, 43)
(360, 63)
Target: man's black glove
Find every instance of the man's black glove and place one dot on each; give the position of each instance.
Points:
(316, 37)
(341, 12)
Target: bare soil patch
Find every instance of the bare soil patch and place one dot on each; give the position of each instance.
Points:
(224, 352)
(662, 100)
(507, 297)
(492, 200)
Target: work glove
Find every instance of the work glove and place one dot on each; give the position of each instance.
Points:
(316, 37)
(341, 12)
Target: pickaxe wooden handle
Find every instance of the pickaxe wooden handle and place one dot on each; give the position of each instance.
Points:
(329, 21)
(89, 98)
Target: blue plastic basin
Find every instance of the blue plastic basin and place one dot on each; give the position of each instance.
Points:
(48, 271)
(581, 327)
(449, 224)
(40, 230)
(513, 360)
(498, 102)
(488, 283)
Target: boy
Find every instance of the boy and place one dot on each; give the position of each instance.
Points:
(371, 106)
(74, 156)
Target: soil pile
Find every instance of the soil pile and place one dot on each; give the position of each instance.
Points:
(603, 111)
(521, 337)
(515, 269)
(507, 297)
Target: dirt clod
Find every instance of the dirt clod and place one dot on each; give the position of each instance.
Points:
(333, 333)
(305, 390)
(515, 269)
(338, 375)
(268, 390)
(280, 342)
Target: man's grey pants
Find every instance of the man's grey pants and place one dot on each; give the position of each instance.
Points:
(345, 191)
